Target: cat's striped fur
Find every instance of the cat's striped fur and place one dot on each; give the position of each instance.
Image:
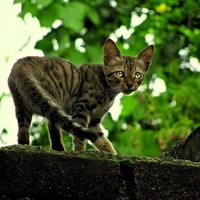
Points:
(72, 98)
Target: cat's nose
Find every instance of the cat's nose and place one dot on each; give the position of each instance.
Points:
(129, 85)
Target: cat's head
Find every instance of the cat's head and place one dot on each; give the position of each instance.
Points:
(125, 73)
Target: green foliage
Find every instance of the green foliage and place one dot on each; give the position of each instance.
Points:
(2, 96)
(148, 124)
(4, 130)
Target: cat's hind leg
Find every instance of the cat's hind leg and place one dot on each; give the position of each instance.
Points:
(24, 117)
(23, 114)
(55, 137)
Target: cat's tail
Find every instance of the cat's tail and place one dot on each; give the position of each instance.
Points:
(65, 121)
(57, 115)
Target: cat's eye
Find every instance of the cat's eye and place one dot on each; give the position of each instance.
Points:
(120, 74)
(138, 75)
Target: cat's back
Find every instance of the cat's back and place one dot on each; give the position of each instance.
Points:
(42, 64)
(43, 69)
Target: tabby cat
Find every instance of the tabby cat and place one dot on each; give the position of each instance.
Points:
(72, 98)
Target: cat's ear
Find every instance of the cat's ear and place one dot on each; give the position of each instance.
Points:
(111, 52)
(146, 56)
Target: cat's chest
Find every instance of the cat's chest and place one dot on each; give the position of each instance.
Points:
(99, 102)
(102, 108)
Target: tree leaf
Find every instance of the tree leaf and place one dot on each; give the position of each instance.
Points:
(44, 3)
(73, 15)
(48, 15)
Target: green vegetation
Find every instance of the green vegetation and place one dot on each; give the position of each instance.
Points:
(149, 123)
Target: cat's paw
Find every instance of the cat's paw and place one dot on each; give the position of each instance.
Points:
(103, 144)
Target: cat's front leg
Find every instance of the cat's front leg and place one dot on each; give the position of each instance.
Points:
(55, 137)
(79, 143)
(102, 143)
(81, 118)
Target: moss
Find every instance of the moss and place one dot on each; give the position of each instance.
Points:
(188, 149)
(99, 155)
(99, 175)
(26, 148)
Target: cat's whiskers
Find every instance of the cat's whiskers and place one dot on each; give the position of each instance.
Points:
(114, 94)
(111, 92)
(144, 97)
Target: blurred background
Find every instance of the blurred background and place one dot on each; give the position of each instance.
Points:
(165, 109)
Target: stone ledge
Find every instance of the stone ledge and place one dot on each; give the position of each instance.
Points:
(29, 172)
